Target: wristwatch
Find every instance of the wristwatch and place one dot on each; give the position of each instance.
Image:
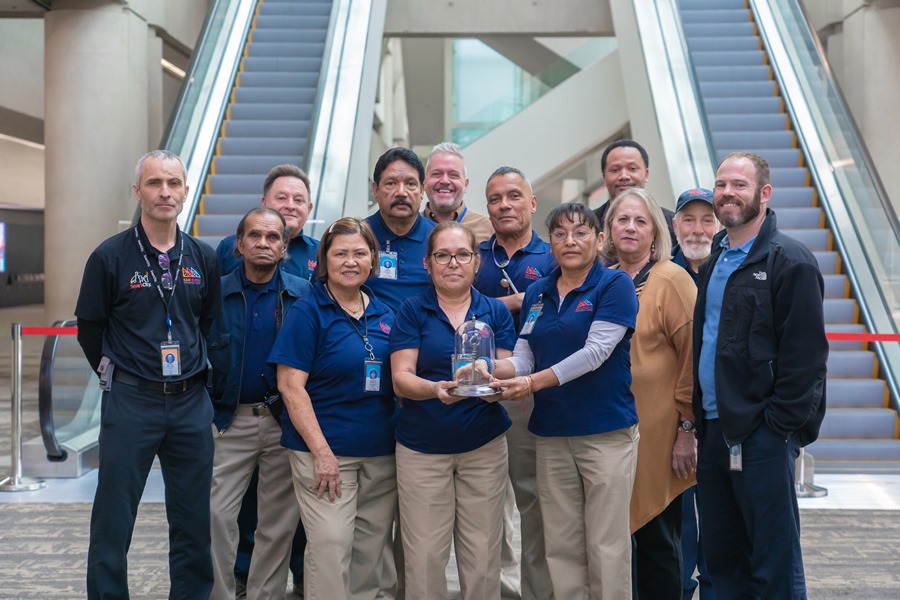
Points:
(686, 425)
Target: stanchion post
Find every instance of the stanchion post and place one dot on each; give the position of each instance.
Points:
(16, 482)
(807, 490)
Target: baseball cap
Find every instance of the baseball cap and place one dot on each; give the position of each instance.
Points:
(694, 194)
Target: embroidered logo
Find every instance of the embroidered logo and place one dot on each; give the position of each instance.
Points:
(532, 273)
(310, 264)
(760, 275)
(191, 275)
(584, 306)
(140, 281)
(384, 326)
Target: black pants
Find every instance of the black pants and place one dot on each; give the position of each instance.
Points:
(136, 426)
(656, 556)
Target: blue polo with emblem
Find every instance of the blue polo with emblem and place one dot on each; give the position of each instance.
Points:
(318, 337)
(598, 401)
(526, 266)
(412, 278)
(430, 426)
(301, 259)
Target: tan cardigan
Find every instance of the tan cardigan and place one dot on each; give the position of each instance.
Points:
(662, 383)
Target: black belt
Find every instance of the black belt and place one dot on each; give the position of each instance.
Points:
(166, 387)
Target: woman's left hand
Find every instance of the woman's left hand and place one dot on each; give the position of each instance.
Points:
(684, 454)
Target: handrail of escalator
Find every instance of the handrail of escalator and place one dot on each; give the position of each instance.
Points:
(195, 123)
(55, 452)
(863, 221)
(341, 128)
(682, 128)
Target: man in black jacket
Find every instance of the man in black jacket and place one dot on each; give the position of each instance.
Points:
(760, 358)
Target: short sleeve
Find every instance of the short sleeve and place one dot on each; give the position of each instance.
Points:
(615, 300)
(406, 332)
(504, 330)
(298, 338)
(95, 298)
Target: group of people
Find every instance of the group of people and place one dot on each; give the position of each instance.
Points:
(638, 353)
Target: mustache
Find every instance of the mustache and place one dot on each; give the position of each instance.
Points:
(401, 202)
(697, 239)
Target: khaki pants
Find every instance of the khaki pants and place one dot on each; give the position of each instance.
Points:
(250, 441)
(458, 497)
(522, 493)
(585, 485)
(346, 538)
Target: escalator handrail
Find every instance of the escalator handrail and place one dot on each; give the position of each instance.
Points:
(55, 452)
(877, 316)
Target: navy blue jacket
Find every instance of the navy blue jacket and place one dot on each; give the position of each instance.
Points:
(771, 351)
(226, 341)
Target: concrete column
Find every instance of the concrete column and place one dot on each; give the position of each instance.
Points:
(96, 87)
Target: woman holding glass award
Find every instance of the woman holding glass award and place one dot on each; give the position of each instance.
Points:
(334, 377)
(451, 451)
(573, 355)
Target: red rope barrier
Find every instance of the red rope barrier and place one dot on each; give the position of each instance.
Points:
(49, 330)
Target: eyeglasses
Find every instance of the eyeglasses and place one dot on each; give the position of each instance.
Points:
(168, 282)
(561, 235)
(443, 258)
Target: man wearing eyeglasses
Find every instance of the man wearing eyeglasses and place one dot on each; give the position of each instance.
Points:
(511, 260)
(148, 297)
(446, 184)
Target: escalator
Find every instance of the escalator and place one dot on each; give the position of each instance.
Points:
(755, 64)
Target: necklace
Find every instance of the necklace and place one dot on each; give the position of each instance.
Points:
(455, 314)
(352, 311)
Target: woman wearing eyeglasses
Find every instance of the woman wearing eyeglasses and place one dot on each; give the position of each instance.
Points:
(573, 355)
(451, 451)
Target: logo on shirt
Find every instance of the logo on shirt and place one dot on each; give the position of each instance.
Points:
(384, 326)
(191, 275)
(310, 264)
(760, 275)
(532, 273)
(584, 306)
(140, 281)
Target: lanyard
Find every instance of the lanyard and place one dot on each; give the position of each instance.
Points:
(364, 334)
(162, 296)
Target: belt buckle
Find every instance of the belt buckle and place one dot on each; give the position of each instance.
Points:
(173, 387)
(261, 410)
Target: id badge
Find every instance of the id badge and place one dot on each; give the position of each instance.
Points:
(373, 375)
(170, 353)
(533, 313)
(387, 265)
(735, 458)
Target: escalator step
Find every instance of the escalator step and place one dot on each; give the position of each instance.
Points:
(235, 184)
(835, 346)
(732, 30)
(282, 64)
(258, 95)
(246, 165)
(841, 310)
(776, 158)
(855, 393)
(742, 106)
(221, 225)
(704, 44)
(268, 129)
(294, 8)
(739, 89)
(814, 239)
(275, 79)
(716, 16)
(688, 5)
(260, 146)
(852, 364)
(293, 23)
(712, 74)
(831, 449)
(753, 140)
(288, 35)
(835, 285)
(728, 59)
(211, 240)
(231, 204)
(265, 112)
(776, 121)
(800, 218)
(789, 177)
(866, 423)
(828, 262)
(285, 49)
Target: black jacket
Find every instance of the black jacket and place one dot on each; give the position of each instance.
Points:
(771, 350)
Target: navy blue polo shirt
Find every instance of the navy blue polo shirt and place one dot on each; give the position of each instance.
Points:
(598, 401)
(257, 376)
(118, 291)
(412, 278)
(681, 260)
(526, 266)
(317, 337)
(430, 426)
(301, 260)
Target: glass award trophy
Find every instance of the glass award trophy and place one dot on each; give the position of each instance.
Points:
(473, 359)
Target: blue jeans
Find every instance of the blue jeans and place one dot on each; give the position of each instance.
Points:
(692, 549)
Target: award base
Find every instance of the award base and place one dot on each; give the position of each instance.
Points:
(473, 390)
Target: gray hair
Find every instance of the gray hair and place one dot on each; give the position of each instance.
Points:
(448, 148)
(505, 170)
(158, 155)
